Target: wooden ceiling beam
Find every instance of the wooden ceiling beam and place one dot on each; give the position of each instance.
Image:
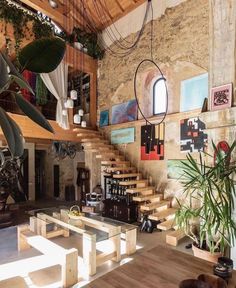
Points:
(127, 11)
(119, 5)
(54, 14)
(106, 10)
(93, 13)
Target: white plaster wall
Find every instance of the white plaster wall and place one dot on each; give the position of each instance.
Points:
(132, 22)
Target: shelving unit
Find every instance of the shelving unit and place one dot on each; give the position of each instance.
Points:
(118, 204)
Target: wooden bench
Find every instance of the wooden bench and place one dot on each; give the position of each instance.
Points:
(173, 237)
(68, 259)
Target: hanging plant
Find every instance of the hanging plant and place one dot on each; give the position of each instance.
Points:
(19, 18)
(89, 41)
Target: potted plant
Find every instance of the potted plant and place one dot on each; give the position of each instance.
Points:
(40, 56)
(206, 214)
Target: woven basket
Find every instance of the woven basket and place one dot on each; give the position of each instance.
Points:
(72, 209)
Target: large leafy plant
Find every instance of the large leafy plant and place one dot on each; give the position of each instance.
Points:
(210, 192)
(40, 56)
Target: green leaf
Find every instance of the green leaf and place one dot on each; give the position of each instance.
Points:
(4, 73)
(42, 55)
(32, 112)
(19, 139)
(15, 75)
(22, 83)
(7, 131)
(13, 70)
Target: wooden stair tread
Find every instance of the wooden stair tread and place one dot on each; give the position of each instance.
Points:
(110, 158)
(170, 212)
(173, 237)
(127, 175)
(155, 205)
(115, 162)
(132, 182)
(85, 130)
(153, 197)
(97, 139)
(139, 189)
(166, 225)
(96, 145)
(122, 169)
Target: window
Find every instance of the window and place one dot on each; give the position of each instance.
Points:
(159, 96)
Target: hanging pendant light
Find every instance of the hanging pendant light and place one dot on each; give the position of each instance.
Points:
(77, 119)
(69, 103)
(81, 112)
(83, 124)
(73, 94)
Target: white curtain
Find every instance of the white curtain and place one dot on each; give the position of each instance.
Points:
(57, 82)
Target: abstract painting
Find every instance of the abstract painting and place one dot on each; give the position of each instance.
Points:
(104, 118)
(152, 142)
(192, 136)
(123, 136)
(193, 92)
(175, 168)
(124, 112)
(221, 97)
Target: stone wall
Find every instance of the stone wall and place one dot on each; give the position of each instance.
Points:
(181, 48)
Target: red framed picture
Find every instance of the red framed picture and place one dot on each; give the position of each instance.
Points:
(221, 97)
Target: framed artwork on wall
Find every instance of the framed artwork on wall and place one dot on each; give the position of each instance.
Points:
(192, 136)
(123, 136)
(193, 92)
(221, 97)
(104, 118)
(124, 112)
(152, 142)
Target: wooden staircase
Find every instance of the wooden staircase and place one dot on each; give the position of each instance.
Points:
(150, 202)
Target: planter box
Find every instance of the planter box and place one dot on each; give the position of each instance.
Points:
(206, 255)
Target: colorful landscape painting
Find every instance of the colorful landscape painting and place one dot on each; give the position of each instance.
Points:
(192, 136)
(123, 136)
(152, 142)
(104, 118)
(175, 168)
(124, 112)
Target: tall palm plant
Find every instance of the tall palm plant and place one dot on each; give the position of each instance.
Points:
(210, 192)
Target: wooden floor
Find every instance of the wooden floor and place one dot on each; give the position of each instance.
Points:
(159, 267)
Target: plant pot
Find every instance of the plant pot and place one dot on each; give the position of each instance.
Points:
(78, 45)
(206, 255)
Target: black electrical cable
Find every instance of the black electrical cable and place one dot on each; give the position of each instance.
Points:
(135, 88)
(120, 43)
(161, 78)
(101, 41)
(115, 27)
(116, 41)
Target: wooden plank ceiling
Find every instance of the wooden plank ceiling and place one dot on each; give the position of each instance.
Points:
(89, 15)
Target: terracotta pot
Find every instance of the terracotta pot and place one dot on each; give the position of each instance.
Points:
(206, 255)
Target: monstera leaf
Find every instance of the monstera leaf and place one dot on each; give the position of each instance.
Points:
(42, 55)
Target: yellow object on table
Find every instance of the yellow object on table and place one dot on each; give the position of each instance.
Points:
(74, 212)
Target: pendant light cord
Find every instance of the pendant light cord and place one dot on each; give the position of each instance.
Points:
(151, 60)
